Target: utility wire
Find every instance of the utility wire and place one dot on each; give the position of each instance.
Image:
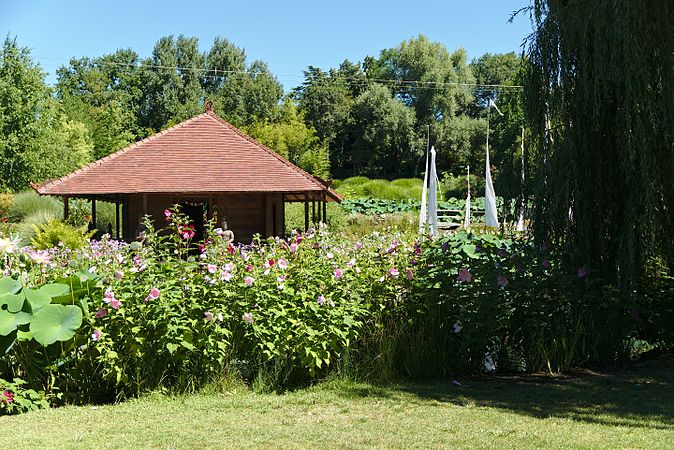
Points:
(362, 81)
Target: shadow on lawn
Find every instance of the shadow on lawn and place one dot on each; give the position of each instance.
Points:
(640, 397)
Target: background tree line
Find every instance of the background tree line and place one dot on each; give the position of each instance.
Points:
(362, 118)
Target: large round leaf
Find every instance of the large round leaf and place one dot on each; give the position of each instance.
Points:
(54, 290)
(37, 299)
(9, 286)
(11, 321)
(55, 323)
(14, 302)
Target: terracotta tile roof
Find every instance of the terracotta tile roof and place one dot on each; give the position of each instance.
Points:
(202, 154)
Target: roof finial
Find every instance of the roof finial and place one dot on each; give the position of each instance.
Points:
(208, 106)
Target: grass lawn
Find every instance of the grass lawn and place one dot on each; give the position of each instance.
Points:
(632, 409)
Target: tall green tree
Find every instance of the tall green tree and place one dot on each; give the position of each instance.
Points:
(386, 143)
(426, 77)
(293, 139)
(242, 94)
(23, 94)
(599, 99)
(326, 100)
(172, 83)
(104, 93)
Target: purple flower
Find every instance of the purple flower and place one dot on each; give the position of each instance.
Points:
(321, 299)
(339, 273)
(457, 327)
(293, 247)
(409, 274)
(102, 312)
(359, 245)
(465, 276)
(443, 247)
(96, 335)
(545, 263)
(393, 272)
(119, 274)
(212, 268)
(502, 253)
(282, 264)
(209, 316)
(249, 281)
(582, 273)
(502, 281)
(115, 304)
(225, 275)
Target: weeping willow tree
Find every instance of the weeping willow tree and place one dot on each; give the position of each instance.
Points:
(599, 97)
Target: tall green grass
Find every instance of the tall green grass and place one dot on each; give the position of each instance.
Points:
(29, 202)
(401, 189)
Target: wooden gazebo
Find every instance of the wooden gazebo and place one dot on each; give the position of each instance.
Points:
(205, 164)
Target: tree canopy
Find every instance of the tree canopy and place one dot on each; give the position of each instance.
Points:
(599, 103)
(360, 118)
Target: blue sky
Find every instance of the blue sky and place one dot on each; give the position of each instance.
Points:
(288, 35)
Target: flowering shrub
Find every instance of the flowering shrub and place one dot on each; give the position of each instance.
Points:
(14, 399)
(489, 302)
(172, 313)
(301, 301)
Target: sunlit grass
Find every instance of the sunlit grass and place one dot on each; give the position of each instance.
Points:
(595, 411)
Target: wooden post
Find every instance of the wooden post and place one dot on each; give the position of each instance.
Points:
(313, 211)
(117, 216)
(306, 211)
(66, 207)
(325, 209)
(93, 212)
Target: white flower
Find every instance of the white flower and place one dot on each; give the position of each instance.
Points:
(9, 244)
(457, 327)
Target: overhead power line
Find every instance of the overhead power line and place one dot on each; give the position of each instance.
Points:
(219, 73)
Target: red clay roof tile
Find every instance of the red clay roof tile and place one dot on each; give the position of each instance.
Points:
(202, 154)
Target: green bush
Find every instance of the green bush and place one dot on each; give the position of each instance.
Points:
(59, 234)
(6, 200)
(26, 228)
(29, 202)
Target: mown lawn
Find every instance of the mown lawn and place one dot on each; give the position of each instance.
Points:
(633, 409)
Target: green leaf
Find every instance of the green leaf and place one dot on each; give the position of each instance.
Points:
(54, 290)
(8, 322)
(171, 347)
(37, 299)
(14, 302)
(9, 285)
(55, 323)
(469, 250)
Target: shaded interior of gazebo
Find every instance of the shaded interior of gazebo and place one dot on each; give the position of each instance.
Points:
(209, 167)
(246, 214)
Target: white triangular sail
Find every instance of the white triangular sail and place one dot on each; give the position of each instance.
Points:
(433, 196)
(490, 216)
(466, 216)
(424, 194)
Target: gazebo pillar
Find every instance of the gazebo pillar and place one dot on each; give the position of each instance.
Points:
(93, 212)
(325, 209)
(306, 211)
(66, 207)
(117, 217)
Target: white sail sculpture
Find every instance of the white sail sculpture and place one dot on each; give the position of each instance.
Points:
(424, 194)
(433, 196)
(428, 216)
(490, 214)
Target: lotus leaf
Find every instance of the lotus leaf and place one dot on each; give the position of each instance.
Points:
(55, 323)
